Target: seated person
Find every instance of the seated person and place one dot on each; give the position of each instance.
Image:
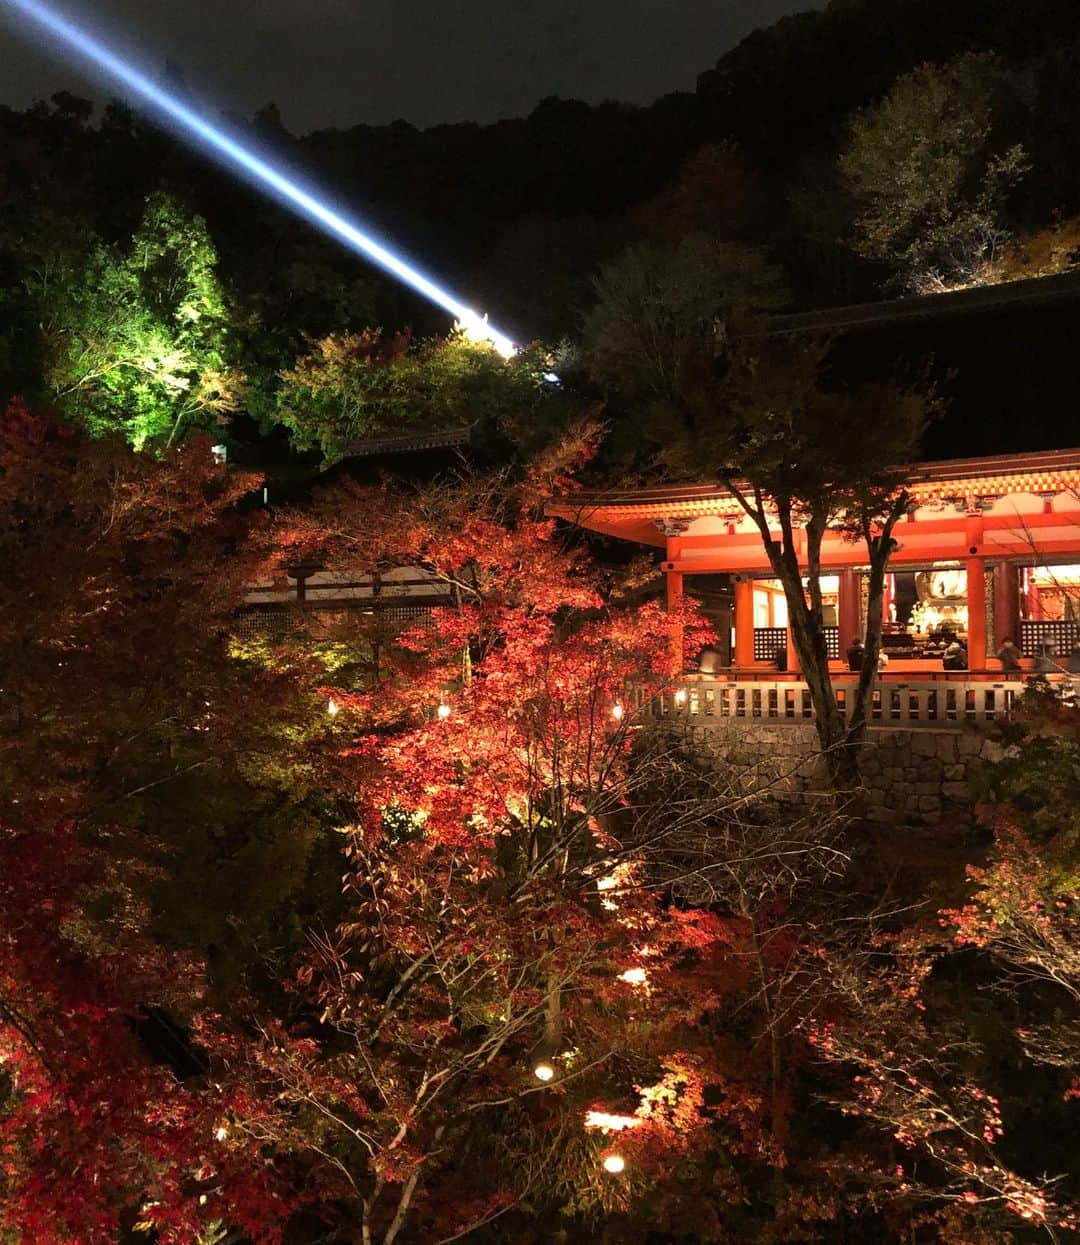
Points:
(1009, 655)
(855, 655)
(955, 656)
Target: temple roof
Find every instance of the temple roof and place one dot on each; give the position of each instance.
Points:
(633, 513)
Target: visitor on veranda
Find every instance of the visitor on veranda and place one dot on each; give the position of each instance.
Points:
(955, 656)
(1009, 655)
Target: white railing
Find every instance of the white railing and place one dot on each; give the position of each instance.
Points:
(702, 700)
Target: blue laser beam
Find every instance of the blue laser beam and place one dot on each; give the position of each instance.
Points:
(188, 124)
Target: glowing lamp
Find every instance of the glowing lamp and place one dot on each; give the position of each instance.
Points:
(680, 696)
(544, 1072)
(634, 976)
(332, 707)
(221, 1132)
(614, 1163)
(443, 710)
(617, 711)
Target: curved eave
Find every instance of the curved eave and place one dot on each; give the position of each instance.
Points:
(639, 515)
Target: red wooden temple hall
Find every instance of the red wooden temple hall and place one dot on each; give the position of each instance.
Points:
(989, 549)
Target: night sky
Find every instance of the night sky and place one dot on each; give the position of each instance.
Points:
(340, 62)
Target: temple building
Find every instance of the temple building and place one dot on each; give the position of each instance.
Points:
(989, 550)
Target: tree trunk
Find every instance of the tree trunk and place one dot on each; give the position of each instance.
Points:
(806, 621)
(879, 549)
(841, 759)
(405, 1200)
(840, 743)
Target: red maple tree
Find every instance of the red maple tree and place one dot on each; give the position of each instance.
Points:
(506, 1004)
(119, 573)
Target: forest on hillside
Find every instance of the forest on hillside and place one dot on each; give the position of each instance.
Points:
(782, 158)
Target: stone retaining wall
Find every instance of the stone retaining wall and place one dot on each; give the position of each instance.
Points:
(911, 776)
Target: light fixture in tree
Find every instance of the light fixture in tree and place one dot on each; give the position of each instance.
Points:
(611, 1123)
(634, 976)
(443, 710)
(617, 711)
(544, 1072)
(332, 707)
(680, 696)
(614, 1163)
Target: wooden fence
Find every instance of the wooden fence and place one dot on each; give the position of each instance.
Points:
(702, 700)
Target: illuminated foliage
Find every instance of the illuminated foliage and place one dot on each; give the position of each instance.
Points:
(494, 790)
(136, 339)
(118, 701)
(930, 173)
(358, 385)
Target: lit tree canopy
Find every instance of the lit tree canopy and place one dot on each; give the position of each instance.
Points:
(136, 338)
(368, 384)
(929, 172)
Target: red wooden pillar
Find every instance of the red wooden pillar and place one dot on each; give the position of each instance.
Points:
(674, 604)
(976, 603)
(848, 609)
(976, 591)
(1006, 602)
(744, 622)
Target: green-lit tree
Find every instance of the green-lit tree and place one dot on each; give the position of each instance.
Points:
(136, 338)
(353, 386)
(929, 170)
